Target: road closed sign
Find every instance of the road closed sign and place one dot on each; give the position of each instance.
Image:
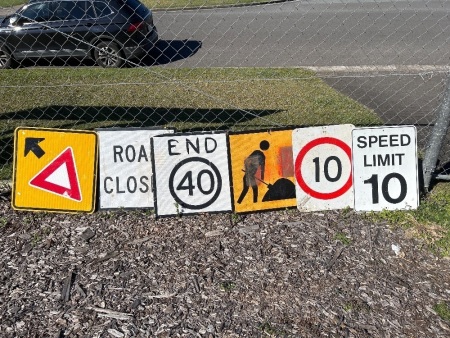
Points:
(191, 173)
(54, 170)
(125, 168)
(323, 169)
(385, 168)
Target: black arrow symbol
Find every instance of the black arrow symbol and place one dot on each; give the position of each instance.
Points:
(32, 144)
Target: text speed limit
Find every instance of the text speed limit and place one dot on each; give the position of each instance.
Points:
(385, 168)
(195, 183)
(323, 168)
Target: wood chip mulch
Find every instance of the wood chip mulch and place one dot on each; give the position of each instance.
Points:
(271, 274)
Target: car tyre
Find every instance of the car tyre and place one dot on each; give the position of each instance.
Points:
(108, 55)
(6, 59)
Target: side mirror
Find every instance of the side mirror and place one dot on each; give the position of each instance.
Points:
(21, 20)
(17, 20)
(12, 19)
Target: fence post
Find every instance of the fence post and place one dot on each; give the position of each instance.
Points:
(437, 137)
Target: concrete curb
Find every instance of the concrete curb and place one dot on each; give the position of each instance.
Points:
(269, 2)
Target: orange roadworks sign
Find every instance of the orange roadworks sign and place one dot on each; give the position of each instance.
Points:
(262, 170)
(54, 170)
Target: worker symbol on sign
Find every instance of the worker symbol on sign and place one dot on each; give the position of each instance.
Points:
(256, 160)
(262, 170)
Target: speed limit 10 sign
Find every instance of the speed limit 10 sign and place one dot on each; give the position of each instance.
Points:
(191, 173)
(323, 169)
(385, 168)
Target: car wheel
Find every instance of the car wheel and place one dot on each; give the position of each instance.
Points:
(6, 60)
(107, 54)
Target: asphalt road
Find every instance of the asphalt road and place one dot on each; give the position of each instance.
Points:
(315, 33)
(389, 55)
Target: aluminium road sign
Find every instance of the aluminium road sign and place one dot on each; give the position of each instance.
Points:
(385, 169)
(323, 170)
(191, 173)
(54, 170)
(262, 170)
(125, 168)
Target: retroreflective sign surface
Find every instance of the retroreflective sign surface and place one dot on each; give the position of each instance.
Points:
(385, 168)
(125, 168)
(191, 173)
(54, 170)
(262, 170)
(323, 167)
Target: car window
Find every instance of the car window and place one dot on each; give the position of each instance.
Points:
(73, 10)
(131, 7)
(87, 8)
(37, 12)
(101, 8)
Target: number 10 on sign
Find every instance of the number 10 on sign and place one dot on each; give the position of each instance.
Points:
(385, 168)
(322, 157)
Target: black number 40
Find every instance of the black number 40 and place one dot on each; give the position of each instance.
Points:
(373, 180)
(186, 183)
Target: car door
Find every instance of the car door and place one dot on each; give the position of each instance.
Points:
(32, 34)
(74, 21)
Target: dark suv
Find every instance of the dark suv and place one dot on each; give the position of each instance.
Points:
(109, 32)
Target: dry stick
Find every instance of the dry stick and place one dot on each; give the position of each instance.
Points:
(80, 290)
(161, 296)
(111, 313)
(65, 293)
(196, 285)
(336, 255)
(370, 243)
(108, 256)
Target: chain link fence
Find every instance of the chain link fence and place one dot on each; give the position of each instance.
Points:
(202, 65)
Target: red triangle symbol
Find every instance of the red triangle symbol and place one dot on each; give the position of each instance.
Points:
(60, 177)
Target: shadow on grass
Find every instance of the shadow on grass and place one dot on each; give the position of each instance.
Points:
(88, 118)
(164, 52)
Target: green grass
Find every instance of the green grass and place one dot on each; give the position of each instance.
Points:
(343, 238)
(183, 98)
(227, 286)
(443, 310)
(9, 3)
(186, 99)
(431, 221)
(272, 330)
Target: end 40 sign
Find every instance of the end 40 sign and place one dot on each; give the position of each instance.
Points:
(191, 173)
(385, 174)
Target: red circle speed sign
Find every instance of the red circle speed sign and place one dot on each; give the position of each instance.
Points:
(298, 163)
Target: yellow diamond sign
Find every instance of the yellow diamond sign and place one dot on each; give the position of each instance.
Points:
(54, 170)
